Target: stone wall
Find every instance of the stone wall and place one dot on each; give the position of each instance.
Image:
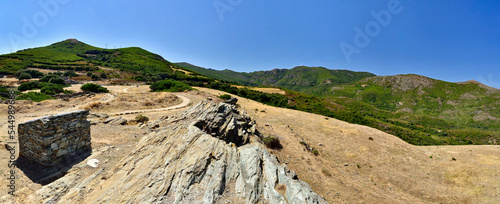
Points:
(52, 139)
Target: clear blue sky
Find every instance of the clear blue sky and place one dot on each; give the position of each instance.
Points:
(448, 40)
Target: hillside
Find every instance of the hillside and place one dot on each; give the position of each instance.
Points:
(72, 54)
(419, 110)
(355, 164)
(314, 80)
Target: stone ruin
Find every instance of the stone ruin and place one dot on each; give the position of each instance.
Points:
(53, 139)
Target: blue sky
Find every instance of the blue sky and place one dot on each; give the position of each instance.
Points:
(447, 40)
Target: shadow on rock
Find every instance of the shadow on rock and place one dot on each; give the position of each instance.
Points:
(44, 175)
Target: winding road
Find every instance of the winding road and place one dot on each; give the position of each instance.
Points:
(110, 97)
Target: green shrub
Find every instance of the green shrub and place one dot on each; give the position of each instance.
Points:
(95, 77)
(272, 142)
(70, 73)
(225, 97)
(94, 88)
(51, 90)
(57, 80)
(48, 77)
(169, 86)
(315, 152)
(34, 96)
(141, 118)
(3, 89)
(32, 72)
(28, 86)
(24, 76)
(103, 75)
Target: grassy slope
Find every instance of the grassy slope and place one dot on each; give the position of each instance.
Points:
(314, 80)
(468, 113)
(418, 109)
(71, 53)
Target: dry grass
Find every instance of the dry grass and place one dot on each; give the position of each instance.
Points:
(403, 173)
(147, 103)
(93, 105)
(326, 172)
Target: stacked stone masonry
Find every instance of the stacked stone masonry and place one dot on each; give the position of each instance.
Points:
(52, 139)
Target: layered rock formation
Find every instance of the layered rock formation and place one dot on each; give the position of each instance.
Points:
(209, 154)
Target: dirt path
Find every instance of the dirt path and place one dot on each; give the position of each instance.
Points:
(110, 97)
(185, 102)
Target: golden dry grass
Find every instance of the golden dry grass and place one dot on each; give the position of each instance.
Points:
(390, 170)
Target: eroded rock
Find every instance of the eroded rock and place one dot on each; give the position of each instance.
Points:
(205, 155)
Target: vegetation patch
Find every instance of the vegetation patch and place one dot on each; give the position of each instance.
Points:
(34, 96)
(141, 119)
(272, 142)
(90, 87)
(225, 96)
(169, 86)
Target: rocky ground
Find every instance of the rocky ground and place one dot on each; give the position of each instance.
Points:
(355, 164)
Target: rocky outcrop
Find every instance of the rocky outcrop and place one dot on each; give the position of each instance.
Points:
(209, 154)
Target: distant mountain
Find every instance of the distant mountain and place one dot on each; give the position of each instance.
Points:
(313, 80)
(73, 54)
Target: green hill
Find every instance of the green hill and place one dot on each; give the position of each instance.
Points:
(72, 54)
(418, 109)
(312, 80)
(468, 104)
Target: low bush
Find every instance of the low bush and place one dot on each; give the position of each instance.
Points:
(29, 86)
(169, 86)
(70, 73)
(51, 90)
(48, 77)
(34, 96)
(32, 72)
(90, 87)
(272, 142)
(57, 80)
(24, 76)
(103, 75)
(315, 152)
(95, 77)
(141, 119)
(225, 97)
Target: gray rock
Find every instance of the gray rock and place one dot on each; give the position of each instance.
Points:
(232, 101)
(108, 120)
(183, 163)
